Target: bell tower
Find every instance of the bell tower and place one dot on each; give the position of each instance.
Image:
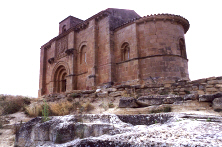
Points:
(67, 23)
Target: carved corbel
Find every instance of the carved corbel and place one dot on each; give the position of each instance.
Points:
(69, 51)
(51, 60)
(91, 76)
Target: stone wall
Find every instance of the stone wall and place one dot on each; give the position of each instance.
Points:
(204, 86)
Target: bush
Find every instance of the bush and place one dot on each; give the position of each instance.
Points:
(88, 107)
(111, 105)
(12, 104)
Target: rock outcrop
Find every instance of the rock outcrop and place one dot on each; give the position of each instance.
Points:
(166, 129)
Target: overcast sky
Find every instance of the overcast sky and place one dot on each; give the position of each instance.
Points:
(27, 24)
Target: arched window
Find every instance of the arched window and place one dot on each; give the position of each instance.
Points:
(182, 48)
(64, 28)
(125, 51)
(83, 55)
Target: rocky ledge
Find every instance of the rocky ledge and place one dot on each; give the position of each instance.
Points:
(162, 129)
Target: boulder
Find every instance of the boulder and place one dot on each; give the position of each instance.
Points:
(127, 102)
(217, 104)
(209, 97)
(62, 129)
(170, 99)
(218, 95)
(150, 100)
(206, 98)
(191, 97)
(115, 94)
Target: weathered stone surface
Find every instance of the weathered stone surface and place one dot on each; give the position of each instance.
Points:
(211, 78)
(212, 82)
(199, 81)
(172, 99)
(101, 143)
(167, 85)
(127, 102)
(87, 91)
(115, 94)
(150, 100)
(217, 104)
(122, 86)
(153, 85)
(111, 89)
(219, 78)
(137, 86)
(206, 98)
(102, 95)
(218, 85)
(200, 92)
(121, 130)
(195, 87)
(191, 97)
(211, 90)
(145, 119)
(217, 95)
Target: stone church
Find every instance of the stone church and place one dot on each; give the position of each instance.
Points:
(114, 46)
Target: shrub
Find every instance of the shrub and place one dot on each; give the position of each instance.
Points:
(12, 104)
(111, 105)
(208, 119)
(88, 107)
(2, 97)
(45, 112)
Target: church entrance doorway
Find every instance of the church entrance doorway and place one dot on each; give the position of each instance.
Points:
(60, 81)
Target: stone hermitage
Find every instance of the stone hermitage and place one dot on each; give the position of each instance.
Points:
(114, 46)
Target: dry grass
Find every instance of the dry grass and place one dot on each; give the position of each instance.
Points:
(34, 109)
(61, 108)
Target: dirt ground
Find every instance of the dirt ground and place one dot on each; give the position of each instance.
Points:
(7, 135)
